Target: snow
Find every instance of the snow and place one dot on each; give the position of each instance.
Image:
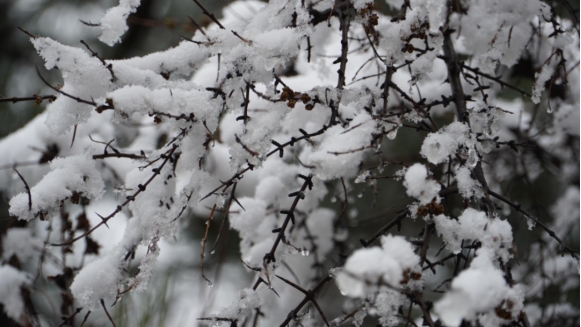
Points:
(387, 304)
(181, 95)
(84, 77)
(437, 147)
(247, 300)
(113, 24)
(479, 289)
(99, 279)
(68, 176)
(10, 295)
(467, 186)
(419, 186)
(495, 234)
(541, 78)
(369, 267)
(341, 149)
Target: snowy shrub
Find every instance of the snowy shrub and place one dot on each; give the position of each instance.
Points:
(380, 163)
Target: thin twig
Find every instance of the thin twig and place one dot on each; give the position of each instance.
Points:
(210, 15)
(107, 312)
(27, 189)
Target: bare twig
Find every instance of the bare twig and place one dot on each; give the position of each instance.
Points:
(107, 312)
(210, 15)
(27, 189)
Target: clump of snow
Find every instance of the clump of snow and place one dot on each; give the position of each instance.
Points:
(158, 205)
(541, 79)
(362, 177)
(341, 149)
(246, 221)
(479, 290)
(247, 300)
(489, 117)
(366, 268)
(146, 267)
(10, 297)
(387, 304)
(437, 147)
(495, 234)
(419, 186)
(114, 24)
(97, 280)
(84, 77)
(467, 186)
(68, 176)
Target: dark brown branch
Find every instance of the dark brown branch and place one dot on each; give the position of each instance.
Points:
(495, 79)
(396, 221)
(36, 98)
(119, 155)
(344, 27)
(27, 32)
(417, 105)
(27, 189)
(204, 242)
(245, 116)
(451, 59)
(89, 23)
(536, 221)
(350, 314)
(108, 66)
(279, 149)
(241, 38)
(426, 242)
(226, 214)
(85, 319)
(269, 257)
(198, 27)
(210, 15)
(92, 103)
(310, 295)
(107, 312)
(439, 262)
(69, 319)
(417, 297)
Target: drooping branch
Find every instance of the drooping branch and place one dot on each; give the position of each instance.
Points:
(210, 15)
(141, 188)
(537, 222)
(269, 257)
(310, 295)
